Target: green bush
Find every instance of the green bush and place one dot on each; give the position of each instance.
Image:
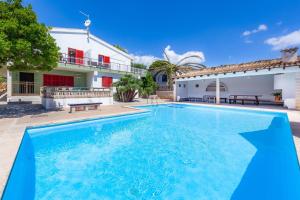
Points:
(2, 79)
(127, 88)
(149, 86)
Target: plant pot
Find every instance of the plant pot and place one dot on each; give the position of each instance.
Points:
(277, 98)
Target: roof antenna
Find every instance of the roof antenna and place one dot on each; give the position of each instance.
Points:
(87, 24)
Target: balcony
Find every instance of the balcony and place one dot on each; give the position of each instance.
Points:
(93, 64)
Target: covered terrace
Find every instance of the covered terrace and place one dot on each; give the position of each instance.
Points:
(275, 82)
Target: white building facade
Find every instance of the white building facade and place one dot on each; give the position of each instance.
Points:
(86, 62)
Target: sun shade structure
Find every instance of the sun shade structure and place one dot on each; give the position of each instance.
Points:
(254, 80)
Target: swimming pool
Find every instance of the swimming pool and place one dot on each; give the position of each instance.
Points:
(174, 151)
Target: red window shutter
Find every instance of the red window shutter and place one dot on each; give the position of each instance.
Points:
(46, 79)
(79, 57)
(106, 81)
(69, 81)
(58, 80)
(106, 59)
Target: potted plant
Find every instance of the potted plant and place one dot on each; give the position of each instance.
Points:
(278, 96)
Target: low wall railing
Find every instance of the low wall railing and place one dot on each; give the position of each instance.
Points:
(164, 88)
(75, 92)
(164, 94)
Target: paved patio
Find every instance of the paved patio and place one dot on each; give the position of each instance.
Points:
(15, 118)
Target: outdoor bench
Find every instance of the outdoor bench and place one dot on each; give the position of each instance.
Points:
(84, 106)
(244, 98)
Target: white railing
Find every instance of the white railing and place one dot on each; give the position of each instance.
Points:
(25, 88)
(91, 62)
(75, 92)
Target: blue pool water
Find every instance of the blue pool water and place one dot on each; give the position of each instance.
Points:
(171, 152)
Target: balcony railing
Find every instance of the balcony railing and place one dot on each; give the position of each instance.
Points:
(91, 62)
(75, 92)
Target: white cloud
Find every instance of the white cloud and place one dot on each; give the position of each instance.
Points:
(172, 55)
(284, 41)
(175, 58)
(246, 33)
(146, 59)
(260, 28)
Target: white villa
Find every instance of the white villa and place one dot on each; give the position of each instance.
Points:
(85, 72)
(252, 82)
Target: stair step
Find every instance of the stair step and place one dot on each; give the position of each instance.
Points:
(3, 96)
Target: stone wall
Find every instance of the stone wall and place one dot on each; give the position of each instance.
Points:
(165, 94)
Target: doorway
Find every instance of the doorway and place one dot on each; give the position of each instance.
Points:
(26, 84)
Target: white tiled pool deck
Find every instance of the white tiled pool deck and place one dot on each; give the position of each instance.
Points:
(12, 129)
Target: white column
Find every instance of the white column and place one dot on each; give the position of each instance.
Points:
(217, 91)
(174, 91)
(9, 83)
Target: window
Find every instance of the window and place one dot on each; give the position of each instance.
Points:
(212, 87)
(100, 59)
(106, 81)
(72, 55)
(179, 85)
(164, 78)
(75, 56)
(103, 60)
(197, 85)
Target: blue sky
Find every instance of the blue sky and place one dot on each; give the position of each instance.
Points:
(214, 28)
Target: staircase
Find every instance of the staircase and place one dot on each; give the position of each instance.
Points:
(3, 92)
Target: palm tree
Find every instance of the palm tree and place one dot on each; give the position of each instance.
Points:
(170, 69)
(127, 88)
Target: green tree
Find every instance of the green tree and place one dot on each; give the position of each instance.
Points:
(139, 66)
(165, 67)
(25, 44)
(170, 69)
(127, 88)
(121, 48)
(148, 85)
